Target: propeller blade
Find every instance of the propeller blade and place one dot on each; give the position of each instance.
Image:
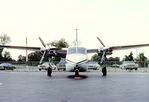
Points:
(42, 42)
(103, 57)
(41, 60)
(100, 41)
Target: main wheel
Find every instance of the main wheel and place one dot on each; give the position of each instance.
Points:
(49, 71)
(104, 71)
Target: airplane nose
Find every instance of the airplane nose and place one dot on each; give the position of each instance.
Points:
(78, 58)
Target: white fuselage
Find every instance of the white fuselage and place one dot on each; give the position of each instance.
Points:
(76, 56)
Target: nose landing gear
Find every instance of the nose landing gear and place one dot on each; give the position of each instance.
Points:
(77, 76)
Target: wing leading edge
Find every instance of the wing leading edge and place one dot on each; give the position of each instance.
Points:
(20, 47)
(64, 51)
(118, 47)
(58, 51)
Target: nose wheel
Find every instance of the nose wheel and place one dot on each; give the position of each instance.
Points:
(77, 73)
(77, 76)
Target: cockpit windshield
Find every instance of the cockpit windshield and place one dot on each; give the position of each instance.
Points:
(73, 50)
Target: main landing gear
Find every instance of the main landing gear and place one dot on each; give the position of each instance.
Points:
(104, 71)
(49, 72)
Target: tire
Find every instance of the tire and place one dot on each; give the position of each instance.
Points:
(49, 71)
(104, 71)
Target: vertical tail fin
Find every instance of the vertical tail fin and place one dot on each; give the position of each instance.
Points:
(76, 37)
(76, 40)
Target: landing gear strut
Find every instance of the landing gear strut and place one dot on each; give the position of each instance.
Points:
(49, 72)
(77, 73)
(104, 71)
(77, 76)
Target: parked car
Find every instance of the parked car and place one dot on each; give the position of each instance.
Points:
(93, 65)
(61, 65)
(7, 66)
(115, 66)
(45, 66)
(129, 65)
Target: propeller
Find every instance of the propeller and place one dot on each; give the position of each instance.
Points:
(51, 51)
(103, 57)
(104, 51)
(42, 42)
(41, 60)
(101, 41)
(44, 45)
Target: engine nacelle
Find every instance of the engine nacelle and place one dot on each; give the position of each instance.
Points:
(51, 53)
(108, 51)
(48, 52)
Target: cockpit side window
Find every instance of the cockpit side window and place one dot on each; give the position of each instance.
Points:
(71, 50)
(82, 50)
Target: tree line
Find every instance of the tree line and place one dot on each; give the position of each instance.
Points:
(141, 59)
(5, 55)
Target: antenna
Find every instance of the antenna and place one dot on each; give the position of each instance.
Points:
(76, 40)
(76, 36)
(26, 51)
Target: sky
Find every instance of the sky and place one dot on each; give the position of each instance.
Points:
(116, 22)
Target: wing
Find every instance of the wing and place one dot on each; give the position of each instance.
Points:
(92, 50)
(58, 51)
(112, 48)
(128, 46)
(20, 47)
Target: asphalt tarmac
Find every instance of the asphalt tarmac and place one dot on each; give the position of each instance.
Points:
(61, 87)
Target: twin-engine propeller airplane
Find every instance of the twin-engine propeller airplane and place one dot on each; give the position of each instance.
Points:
(76, 56)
